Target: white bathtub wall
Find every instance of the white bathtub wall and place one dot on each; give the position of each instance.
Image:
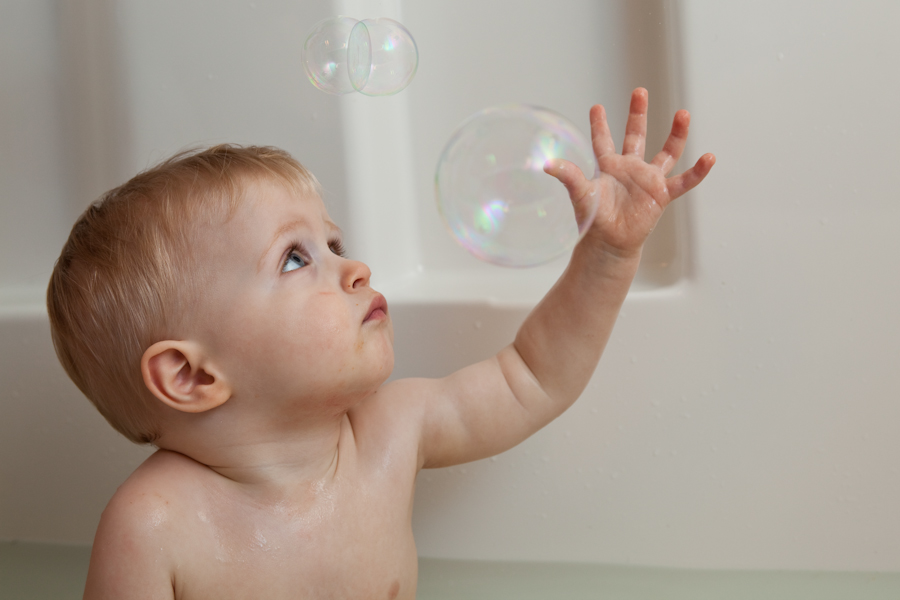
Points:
(747, 418)
(31, 163)
(744, 413)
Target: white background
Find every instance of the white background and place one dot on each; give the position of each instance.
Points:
(745, 413)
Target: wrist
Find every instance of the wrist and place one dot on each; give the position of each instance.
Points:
(604, 254)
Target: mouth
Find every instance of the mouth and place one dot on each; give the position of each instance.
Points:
(377, 309)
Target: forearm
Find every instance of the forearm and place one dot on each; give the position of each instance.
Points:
(563, 338)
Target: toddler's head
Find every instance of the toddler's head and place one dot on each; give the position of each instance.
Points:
(130, 274)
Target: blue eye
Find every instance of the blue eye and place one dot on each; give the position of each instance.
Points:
(293, 262)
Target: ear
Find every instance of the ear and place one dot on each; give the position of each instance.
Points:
(181, 375)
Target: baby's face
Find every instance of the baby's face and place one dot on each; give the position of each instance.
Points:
(289, 321)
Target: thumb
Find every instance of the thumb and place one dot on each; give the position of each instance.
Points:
(578, 186)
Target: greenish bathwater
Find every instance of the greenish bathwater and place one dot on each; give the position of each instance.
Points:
(476, 580)
(31, 571)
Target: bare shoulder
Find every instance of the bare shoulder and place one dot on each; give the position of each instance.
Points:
(136, 545)
(159, 487)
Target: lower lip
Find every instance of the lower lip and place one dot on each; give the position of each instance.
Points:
(376, 315)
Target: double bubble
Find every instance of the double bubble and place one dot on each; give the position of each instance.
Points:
(375, 57)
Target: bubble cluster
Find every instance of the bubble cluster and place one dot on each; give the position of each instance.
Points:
(493, 193)
(375, 57)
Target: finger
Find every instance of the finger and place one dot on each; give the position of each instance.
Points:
(636, 128)
(580, 188)
(674, 145)
(688, 180)
(601, 137)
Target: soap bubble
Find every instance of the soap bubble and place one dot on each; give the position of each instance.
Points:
(324, 55)
(376, 57)
(494, 195)
(382, 57)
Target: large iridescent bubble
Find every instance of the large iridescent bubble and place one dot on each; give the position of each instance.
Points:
(493, 193)
(376, 57)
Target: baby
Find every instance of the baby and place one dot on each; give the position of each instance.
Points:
(206, 307)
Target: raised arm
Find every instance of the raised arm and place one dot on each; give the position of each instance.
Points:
(491, 406)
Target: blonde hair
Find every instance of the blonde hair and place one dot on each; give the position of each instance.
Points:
(126, 270)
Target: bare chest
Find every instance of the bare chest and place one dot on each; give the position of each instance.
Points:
(353, 540)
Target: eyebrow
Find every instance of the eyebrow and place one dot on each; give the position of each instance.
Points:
(287, 228)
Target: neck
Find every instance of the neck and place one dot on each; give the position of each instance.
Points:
(266, 458)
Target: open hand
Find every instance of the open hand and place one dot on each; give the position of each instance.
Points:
(629, 193)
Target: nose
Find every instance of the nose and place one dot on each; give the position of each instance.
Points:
(354, 274)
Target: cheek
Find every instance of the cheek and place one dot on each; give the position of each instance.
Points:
(318, 332)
